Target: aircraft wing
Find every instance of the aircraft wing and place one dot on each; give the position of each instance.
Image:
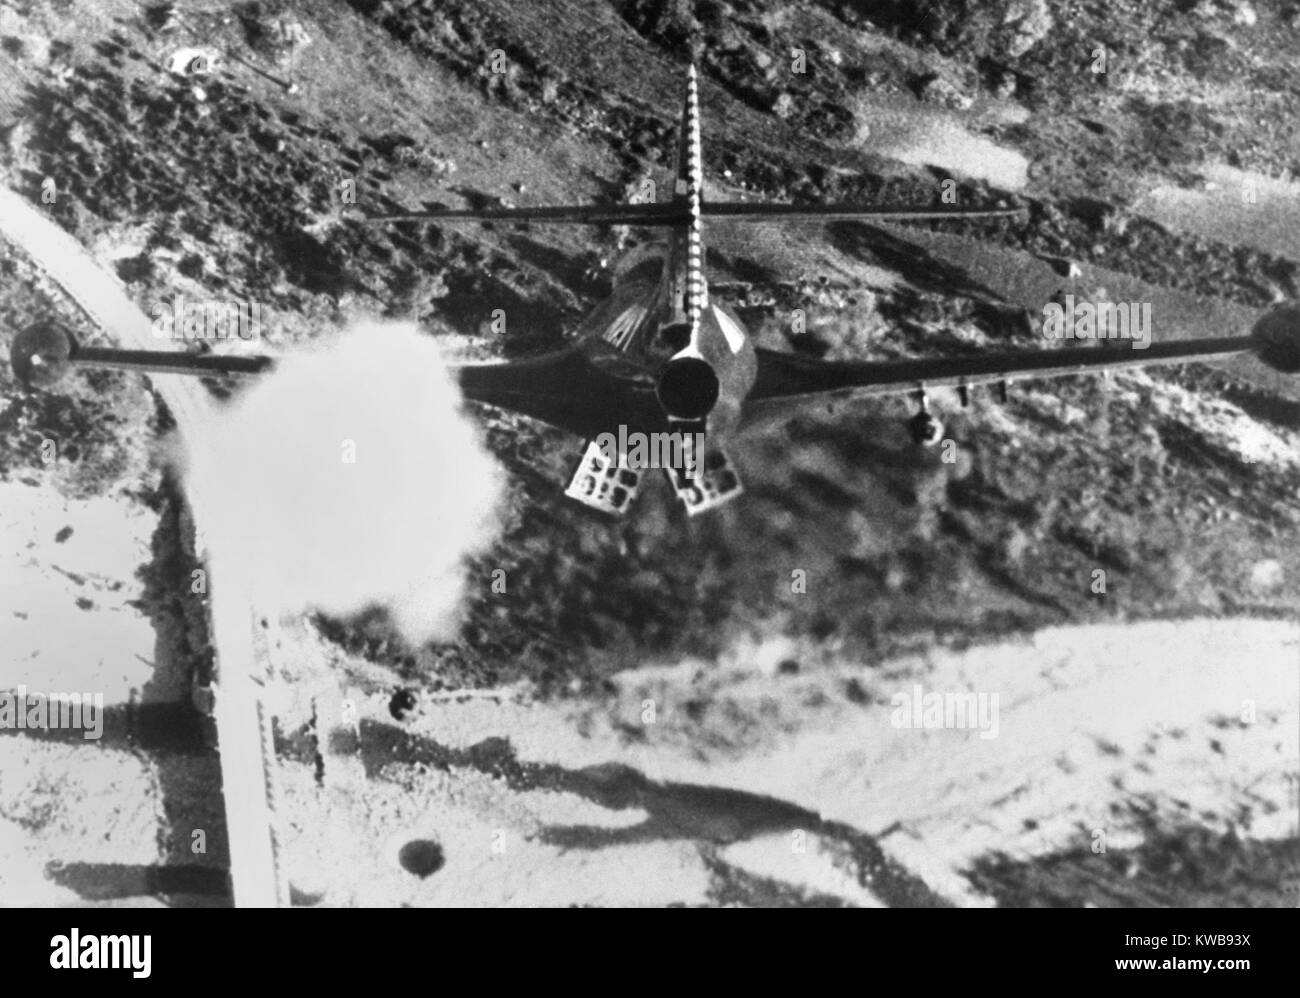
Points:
(565, 389)
(788, 383)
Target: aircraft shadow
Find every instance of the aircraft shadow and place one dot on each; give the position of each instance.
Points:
(710, 815)
(920, 268)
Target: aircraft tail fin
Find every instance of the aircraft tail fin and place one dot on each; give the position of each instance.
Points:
(690, 197)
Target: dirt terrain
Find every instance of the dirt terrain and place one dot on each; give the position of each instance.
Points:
(1170, 177)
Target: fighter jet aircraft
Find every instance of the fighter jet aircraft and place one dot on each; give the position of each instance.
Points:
(659, 360)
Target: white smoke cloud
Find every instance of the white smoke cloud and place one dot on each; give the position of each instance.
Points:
(349, 478)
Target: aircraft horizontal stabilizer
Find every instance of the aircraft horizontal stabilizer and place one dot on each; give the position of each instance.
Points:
(673, 214)
(761, 211)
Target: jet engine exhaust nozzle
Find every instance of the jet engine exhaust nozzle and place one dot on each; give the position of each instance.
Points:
(688, 388)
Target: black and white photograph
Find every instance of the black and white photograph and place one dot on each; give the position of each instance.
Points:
(651, 454)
